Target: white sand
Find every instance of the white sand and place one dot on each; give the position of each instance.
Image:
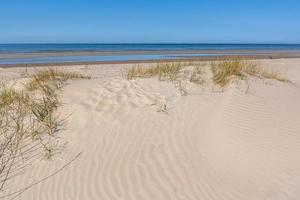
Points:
(208, 145)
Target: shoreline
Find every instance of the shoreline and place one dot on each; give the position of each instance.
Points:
(265, 55)
(12, 55)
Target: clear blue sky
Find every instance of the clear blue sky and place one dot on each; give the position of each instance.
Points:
(185, 21)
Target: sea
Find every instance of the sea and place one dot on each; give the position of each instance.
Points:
(54, 53)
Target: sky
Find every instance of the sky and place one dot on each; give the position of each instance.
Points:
(150, 21)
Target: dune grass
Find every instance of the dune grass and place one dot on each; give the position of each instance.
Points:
(45, 76)
(164, 71)
(23, 116)
(273, 75)
(26, 115)
(224, 71)
(8, 96)
(13, 128)
(227, 70)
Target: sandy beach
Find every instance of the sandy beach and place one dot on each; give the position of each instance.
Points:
(150, 139)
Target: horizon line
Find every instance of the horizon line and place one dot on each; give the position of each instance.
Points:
(148, 43)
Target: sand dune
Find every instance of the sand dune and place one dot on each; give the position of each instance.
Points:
(207, 145)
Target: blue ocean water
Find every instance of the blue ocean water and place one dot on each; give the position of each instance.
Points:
(101, 58)
(142, 55)
(12, 48)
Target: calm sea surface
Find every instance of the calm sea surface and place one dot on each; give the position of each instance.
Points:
(12, 48)
(146, 51)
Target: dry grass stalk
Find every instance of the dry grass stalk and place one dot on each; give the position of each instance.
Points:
(25, 115)
(227, 70)
(164, 71)
(44, 76)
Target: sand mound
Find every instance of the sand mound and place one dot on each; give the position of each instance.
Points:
(208, 145)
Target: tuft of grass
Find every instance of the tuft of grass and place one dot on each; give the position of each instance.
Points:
(29, 113)
(8, 96)
(163, 107)
(43, 110)
(273, 75)
(43, 77)
(227, 70)
(13, 128)
(254, 70)
(164, 71)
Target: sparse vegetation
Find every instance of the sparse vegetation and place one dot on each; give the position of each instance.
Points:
(197, 75)
(169, 71)
(29, 114)
(224, 71)
(227, 70)
(164, 71)
(273, 75)
(39, 79)
(181, 87)
(163, 107)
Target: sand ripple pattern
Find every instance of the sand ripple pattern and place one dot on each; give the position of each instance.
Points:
(119, 97)
(212, 146)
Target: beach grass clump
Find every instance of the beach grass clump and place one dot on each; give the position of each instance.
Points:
(273, 75)
(42, 77)
(14, 127)
(164, 71)
(22, 117)
(8, 96)
(227, 70)
(43, 110)
(31, 114)
(253, 69)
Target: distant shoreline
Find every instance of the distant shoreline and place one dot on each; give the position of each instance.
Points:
(254, 55)
(73, 54)
(138, 52)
